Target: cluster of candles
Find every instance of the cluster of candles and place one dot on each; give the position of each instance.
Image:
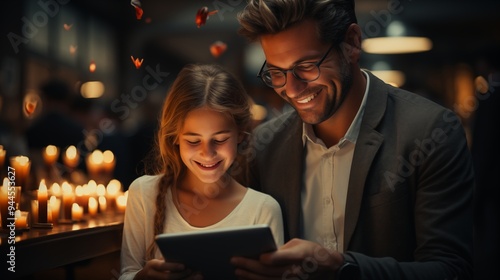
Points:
(96, 162)
(67, 203)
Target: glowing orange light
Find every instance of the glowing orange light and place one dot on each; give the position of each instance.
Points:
(30, 106)
(137, 62)
(72, 49)
(138, 9)
(92, 67)
(218, 48)
(202, 16)
(67, 27)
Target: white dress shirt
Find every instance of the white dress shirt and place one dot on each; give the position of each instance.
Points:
(326, 182)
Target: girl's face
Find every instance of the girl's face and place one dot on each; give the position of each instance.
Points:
(208, 144)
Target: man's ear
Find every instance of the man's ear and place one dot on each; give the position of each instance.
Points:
(351, 46)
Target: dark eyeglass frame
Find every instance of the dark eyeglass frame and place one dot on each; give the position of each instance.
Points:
(285, 71)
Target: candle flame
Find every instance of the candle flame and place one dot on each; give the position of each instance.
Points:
(92, 202)
(71, 152)
(42, 187)
(51, 150)
(108, 156)
(66, 188)
(96, 157)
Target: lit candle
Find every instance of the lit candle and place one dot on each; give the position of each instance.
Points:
(94, 162)
(68, 199)
(50, 154)
(34, 211)
(55, 189)
(113, 188)
(92, 206)
(108, 162)
(76, 212)
(102, 204)
(121, 203)
(4, 203)
(71, 157)
(22, 165)
(42, 202)
(21, 221)
(2, 156)
(55, 208)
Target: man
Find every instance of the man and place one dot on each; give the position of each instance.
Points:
(374, 182)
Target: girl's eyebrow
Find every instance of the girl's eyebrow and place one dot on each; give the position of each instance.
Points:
(197, 134)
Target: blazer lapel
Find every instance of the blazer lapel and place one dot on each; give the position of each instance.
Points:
(290, 157)
(367, 145)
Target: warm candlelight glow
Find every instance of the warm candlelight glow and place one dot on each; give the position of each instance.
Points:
(114, 186)
(112, 191)
(34, 211)
(55, 208)
(108, 161)
(42, 202)
(2, 156)
(50, 154)
(76, 212)
(92, 67)
(55, 189)
(68, 199)
(71, 156)
(94, 162)
(21, 219)
(121, 203)
(92, 188)
(102, 203)
(22, 166)
(101, 190)
(92, 206)
(4, 203)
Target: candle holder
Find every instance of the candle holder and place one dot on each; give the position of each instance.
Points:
(43, 225)
(21, 221)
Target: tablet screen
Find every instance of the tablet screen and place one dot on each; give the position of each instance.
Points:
(210, 251)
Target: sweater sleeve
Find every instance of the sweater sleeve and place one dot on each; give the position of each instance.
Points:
(270, 214)
(133, 252)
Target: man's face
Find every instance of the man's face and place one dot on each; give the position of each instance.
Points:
(314, 101)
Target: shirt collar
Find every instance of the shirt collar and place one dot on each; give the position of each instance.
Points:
(353, 131)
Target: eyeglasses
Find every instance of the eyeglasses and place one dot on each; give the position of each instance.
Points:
(306, 72)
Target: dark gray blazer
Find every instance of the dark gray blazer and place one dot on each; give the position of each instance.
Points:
(409, 203)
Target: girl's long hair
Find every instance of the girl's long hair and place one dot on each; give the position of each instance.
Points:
(196, 86)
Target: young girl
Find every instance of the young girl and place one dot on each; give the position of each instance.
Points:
(205, 117)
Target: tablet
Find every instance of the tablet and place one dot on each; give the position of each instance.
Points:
(210, 251)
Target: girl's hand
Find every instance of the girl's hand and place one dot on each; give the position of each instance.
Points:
(161, 269)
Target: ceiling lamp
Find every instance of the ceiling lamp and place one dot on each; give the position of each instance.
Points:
(397, 41)
(384, 72)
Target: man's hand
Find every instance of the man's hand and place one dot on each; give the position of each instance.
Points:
(297, 259)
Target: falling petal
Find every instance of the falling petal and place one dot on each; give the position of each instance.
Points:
(147, 20)
(138, 8)
(218, 48)
(202, 16)
(67, 27)
(137, 62)
(92, 67)
(72, 49)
